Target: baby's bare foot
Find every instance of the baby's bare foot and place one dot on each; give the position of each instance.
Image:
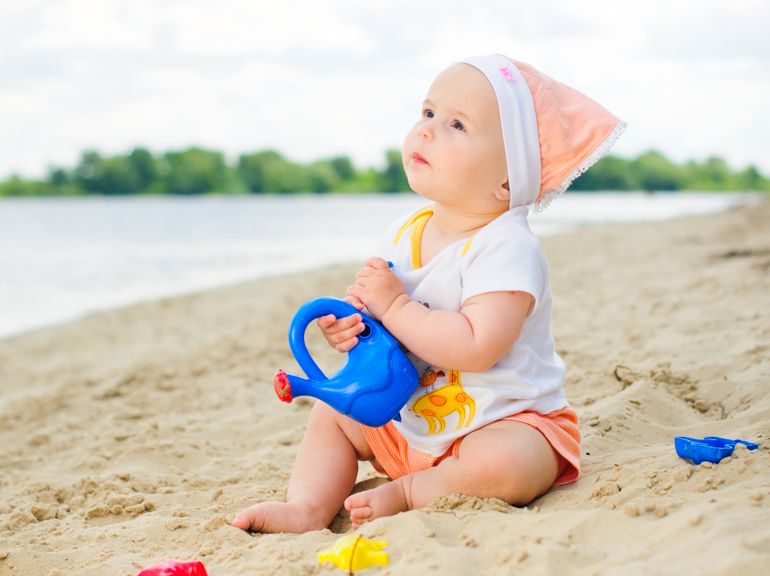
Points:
(273, 517)
(384, 500)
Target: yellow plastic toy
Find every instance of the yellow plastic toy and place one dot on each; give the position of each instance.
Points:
(354, 552)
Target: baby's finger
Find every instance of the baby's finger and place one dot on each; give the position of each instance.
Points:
(377, 263)
(325, 322)
(355, 302)
(365, 272)
(344, 329)
(347, 345)
(346, 334)
(355, 291)
(347, 322)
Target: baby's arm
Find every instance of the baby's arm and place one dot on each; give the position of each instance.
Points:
(473, 339)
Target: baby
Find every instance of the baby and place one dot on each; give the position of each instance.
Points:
(469, 298)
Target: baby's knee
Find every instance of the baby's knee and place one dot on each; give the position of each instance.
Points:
(320, 410)
(321, 422)
(513, 485)
(323, 413)
(325, 422)
(495, 478)
(505, 475)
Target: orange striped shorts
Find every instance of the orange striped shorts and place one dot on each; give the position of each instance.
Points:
(397, 458)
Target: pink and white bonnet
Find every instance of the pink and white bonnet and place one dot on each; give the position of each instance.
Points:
(552, 133)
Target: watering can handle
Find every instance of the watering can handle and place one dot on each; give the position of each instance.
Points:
(305, 315)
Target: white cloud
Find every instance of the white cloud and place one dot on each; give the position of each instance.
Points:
(319, 77)
(86, 24)
(264, 28)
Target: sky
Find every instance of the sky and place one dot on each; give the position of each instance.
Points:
(318, 78)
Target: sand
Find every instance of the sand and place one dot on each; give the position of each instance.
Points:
(133, 436)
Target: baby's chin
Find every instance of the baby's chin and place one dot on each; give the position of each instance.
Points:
(421, 190)
(413, 181)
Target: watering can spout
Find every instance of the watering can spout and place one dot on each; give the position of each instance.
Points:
(282, 386)
(288, 386)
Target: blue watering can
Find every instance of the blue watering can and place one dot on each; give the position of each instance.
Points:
(372, 386)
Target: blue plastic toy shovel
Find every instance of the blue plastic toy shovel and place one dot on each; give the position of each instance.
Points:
(709, 449)
(372, 386)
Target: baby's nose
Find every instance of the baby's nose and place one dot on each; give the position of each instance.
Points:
(425, 131)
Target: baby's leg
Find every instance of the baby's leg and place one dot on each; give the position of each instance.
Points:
(506, 460)
(324, 474)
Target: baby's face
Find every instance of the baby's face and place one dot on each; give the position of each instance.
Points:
(454, 154)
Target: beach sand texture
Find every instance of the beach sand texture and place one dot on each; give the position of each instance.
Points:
(132, 436)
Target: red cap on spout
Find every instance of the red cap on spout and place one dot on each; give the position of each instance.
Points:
(282, 386)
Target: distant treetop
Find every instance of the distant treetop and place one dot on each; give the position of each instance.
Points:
(197, 170)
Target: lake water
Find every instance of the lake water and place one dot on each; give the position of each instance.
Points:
(62, 258)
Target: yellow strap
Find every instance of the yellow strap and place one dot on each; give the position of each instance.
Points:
(412, 219)
(416, 240)
(418, 221)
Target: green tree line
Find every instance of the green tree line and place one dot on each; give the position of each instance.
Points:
(198, 170)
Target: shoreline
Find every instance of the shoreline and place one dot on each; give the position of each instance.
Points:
(131, 436)
(191, 292)
(85, 298)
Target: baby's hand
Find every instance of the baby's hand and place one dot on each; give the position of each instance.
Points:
(341, 334)
(377, 287)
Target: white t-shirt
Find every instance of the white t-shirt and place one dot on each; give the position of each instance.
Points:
(503, 255)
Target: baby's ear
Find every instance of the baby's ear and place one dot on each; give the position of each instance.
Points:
(503, 191)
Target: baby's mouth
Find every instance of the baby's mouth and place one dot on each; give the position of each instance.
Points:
(419, 159)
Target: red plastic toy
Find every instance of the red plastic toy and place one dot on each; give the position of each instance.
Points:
(175, 568)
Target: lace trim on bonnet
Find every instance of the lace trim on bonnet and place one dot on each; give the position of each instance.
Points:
(549, 195)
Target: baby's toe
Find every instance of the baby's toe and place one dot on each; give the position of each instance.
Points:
(248, 519)
(356, 500)
(361, 514)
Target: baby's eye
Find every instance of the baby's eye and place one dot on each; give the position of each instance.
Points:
(457, 125)
(427, 113)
